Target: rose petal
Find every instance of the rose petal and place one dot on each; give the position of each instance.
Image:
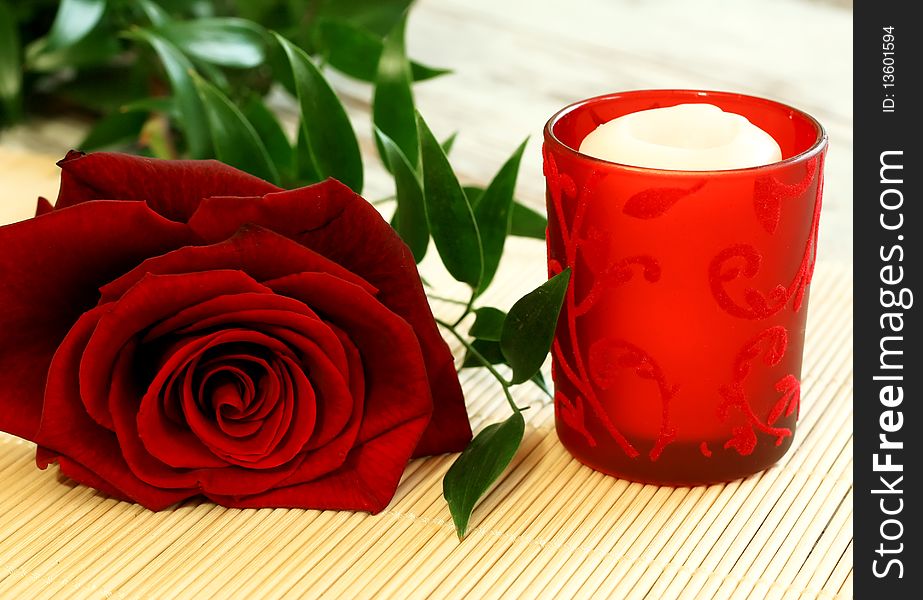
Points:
(173, 188)
(225, 479)
(396, 402)
(321, 459)
(150, 300)
(50, 270)
(86, 451)
(258, 252)
(366, 481)
(234, 397)
(74, 470)
(330, 380)
(260, 311)
(161, 425)
(278, 402)
(285, 429)
(318, 345)
(395, 377)
(43, 206)
(269, 384)
(200, 431)
(322, 217)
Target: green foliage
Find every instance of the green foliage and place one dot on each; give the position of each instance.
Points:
(355, 51)
(113, 129)
(526, 222)
(328, 135)
(529, 327)
(410, 216)
(225, 42)
(268, 129)
(377, 16)
(73, 21)
(10, 69)
(479, 466)
(154, 12)
(483, 350)
(392, 104)
(96, 48)
(493, 213)
(451, 220)
(448, 143)
(235, 140)
(488, 324)
(179, 71)
(521, 340)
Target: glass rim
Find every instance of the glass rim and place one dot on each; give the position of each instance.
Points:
(820, 141)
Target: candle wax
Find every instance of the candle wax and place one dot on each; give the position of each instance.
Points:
(686, 137)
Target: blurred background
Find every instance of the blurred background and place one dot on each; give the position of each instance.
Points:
(515, 62)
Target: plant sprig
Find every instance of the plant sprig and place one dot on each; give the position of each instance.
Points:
(521, 339)
(191, 82)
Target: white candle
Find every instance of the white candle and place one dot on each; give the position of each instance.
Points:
(686, 137)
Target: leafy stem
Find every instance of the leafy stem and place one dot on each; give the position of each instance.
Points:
(468, 306)
(520, 339)
(447, 299)
(484, 362)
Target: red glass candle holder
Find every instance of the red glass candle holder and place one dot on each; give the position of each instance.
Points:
(677, 358)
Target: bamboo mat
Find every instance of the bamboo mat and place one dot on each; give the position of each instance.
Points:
(551, 528)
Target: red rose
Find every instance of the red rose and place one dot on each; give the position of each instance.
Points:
(174, 328)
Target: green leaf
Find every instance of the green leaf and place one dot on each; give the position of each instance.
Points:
(92, 50)
(473, 193)
(162, 104)
(193, 118)
(392, 104)
(201, 9)
(355, 51)
(281, 69)
(489, 350)
(305, 169)
(410, 221)
(539, 380)
(73, 21)
(377, 16)
(270, 131)
(479, 466)
(212, 73)
(328, 134)
(527, 222)
(224, 41)
(10, 65)
(235, 140)
(114, 128)
(493, 213)
(421, 72)
(153, 11)
(451, 221)
(447, 145)
(106, 89)
(529, 328)
(488, 323)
